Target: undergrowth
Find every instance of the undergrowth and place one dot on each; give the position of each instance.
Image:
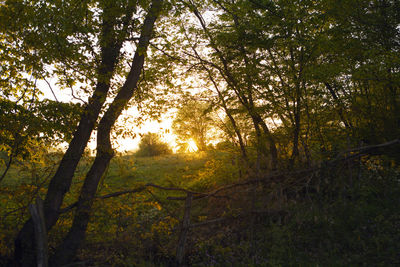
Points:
(344, 214)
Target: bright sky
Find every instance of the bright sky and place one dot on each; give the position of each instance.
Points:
(162, 127)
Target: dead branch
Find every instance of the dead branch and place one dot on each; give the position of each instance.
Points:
(116, 194)
(372, 147)
(267, 178)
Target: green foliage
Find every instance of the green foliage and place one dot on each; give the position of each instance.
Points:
(221, 169)
(319, 73)
(28, 131)
(151, 145)
(192, 122)
(47, 120)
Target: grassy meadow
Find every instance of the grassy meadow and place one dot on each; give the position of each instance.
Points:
(136, 218)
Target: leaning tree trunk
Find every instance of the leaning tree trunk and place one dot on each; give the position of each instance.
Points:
(235, 85)
(24, 253)
(67, 250)
(273, 152)
(229, 114)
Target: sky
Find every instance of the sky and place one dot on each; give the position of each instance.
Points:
(162, 127)
(121, 144)
(126, 144)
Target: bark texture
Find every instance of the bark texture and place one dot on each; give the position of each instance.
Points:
(111, 43)
(67, 250)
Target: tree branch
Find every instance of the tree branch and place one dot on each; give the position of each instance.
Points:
(265, 178)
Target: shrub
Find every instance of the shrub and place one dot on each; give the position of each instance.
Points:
(151, 145)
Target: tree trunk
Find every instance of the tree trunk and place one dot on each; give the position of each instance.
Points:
(239, 135)
(231, 119)
(65, 253)
(232, 82)
(273, 152)
(67, 250)
(61, 182)
(340, 106)
(296, 133)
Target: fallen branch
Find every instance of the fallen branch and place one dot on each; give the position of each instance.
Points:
(136, 190)
(233, 217)
(116, 194)
(372, 147)
(263, 179)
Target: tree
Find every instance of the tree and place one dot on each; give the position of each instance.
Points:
(150, 145)
(25, 128)
(288, 63)
(104, 149)
(365, 84)
(83, 42)
(193, 122)
(233, 63)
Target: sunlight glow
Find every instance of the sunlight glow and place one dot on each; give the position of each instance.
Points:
(192, 147)
(162, 127)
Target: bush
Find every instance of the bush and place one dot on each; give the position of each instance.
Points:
(151, 145)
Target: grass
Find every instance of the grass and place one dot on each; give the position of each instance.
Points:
(124, 170)
(127, 170)
(27, 179)
(337, 220)
(169, 170)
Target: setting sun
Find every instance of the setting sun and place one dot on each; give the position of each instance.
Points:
(192, 147)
